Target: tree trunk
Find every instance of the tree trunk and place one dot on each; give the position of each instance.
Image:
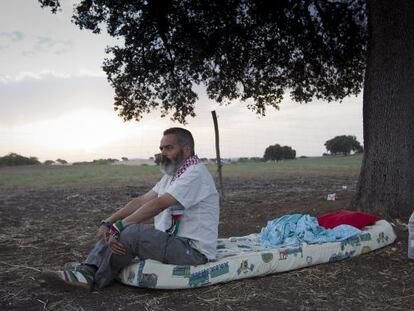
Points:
(386, 182)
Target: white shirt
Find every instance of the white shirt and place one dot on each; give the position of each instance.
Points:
(198, 198)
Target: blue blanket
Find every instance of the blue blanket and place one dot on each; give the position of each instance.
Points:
(297, 228)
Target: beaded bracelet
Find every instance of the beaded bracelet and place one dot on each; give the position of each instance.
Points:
(116, 228)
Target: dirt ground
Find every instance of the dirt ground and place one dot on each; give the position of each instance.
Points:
(43, 229)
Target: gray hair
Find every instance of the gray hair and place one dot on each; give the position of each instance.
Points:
(184, 137)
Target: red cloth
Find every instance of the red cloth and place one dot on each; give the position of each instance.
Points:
(345, 217)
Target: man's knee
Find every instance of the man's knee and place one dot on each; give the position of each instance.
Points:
(133, 234)
(144, 241)
(130, 234)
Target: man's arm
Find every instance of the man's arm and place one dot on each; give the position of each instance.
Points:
(150, 209)
(132, 206)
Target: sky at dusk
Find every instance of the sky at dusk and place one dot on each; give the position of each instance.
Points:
(55, 101)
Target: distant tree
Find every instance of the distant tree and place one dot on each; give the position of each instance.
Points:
(61, 161)
(256, 159)
(14, 159)
(343, 144)
(124, 159)
(48, 162)
(81, 163)
(243, 160)
(278, 152)
(157, 158)
(247, 160)
(105, 161)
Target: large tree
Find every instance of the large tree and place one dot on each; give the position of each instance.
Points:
(343, 144)
(258, 51)
(386, 182)
(277, 152)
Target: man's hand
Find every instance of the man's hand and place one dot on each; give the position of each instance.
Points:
(117, 247)
(103, 232)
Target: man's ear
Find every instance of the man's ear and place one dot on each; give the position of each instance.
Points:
(187, 151)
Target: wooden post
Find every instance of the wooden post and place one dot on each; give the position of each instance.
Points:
(218, 158)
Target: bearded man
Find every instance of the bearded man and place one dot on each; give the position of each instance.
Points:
(185, 207)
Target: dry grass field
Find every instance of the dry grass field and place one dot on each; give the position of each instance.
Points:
(42, 209)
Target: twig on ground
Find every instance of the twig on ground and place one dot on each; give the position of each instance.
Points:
(21, 266)
(44, 303)
(11, 295)
(400, 298)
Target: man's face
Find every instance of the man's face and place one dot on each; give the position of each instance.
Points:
(172, 154)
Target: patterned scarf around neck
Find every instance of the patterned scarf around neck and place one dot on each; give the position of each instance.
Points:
(186, 164)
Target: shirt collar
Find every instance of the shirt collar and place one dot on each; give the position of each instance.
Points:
(193, 160)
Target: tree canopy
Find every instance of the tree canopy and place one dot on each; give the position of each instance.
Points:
(61, 161)
(14, 159)
(343, 144)
(251, 50)
(277, 152)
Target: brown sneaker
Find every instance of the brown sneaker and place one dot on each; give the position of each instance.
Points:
(73, 278)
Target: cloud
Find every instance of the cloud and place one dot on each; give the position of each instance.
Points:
(29, 97)
(13, 36)
(48, 44)
(39, 44)
(47, 75)
(8, 38)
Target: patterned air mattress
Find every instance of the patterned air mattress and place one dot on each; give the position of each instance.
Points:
(244, 257)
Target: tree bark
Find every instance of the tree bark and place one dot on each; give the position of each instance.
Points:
(386, 182)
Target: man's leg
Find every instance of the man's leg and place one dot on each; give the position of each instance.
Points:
(144, 242)
(102, 266)
(99, 260)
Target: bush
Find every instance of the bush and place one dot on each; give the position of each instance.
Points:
(104, 161)
(98, 161)
(14, 159)
(250, 160)
(243, 160)
(256, 159)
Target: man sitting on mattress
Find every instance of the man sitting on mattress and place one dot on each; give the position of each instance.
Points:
(185, 207)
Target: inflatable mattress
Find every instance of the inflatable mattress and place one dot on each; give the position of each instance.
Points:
(244, 257)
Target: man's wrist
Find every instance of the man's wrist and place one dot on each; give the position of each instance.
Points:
(106, 224)
(116, 229)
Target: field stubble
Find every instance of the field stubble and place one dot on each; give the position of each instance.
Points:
(44, 226)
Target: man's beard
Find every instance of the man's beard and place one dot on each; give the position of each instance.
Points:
(168, 166)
